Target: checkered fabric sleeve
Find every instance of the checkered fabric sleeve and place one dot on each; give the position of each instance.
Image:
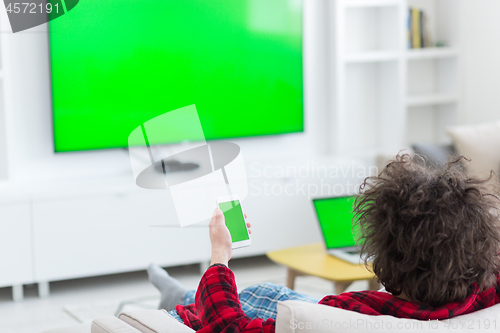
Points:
(218, 309)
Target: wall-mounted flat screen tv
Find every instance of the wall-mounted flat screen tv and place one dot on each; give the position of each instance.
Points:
(116, 64)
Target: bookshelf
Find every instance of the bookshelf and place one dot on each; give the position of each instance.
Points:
(385, 95)
(370, 3)
(3, 117)
(431, 99)
(373, 56)
(432, 53)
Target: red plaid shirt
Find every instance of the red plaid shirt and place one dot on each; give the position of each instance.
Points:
(217, 308)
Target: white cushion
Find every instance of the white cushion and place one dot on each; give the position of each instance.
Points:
(153, 321)
(297, 317)
(111, 324)
(481, 143)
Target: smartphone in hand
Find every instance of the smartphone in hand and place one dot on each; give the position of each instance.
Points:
(235, 220)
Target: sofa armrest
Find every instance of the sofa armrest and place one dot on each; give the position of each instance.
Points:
(153, 321)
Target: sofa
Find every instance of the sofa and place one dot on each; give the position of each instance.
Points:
(479, 142)
(300, 317)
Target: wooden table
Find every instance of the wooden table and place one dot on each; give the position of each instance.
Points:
(313, 260)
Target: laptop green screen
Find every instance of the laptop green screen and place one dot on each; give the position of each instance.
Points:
(336, 219)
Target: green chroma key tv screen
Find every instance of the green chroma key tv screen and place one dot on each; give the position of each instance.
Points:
(116, 64)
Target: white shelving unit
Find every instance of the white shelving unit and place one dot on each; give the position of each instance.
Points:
(432, 53)
(373, 56)
(3, 129)
(431, 99)
(386, 96)
(370, 3)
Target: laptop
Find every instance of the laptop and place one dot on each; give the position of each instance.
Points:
(335, 219)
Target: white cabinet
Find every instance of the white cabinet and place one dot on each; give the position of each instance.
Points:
(82, 231)
(16, 265)
(110, 234)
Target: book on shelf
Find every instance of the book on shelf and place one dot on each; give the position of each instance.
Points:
(415, 28)
(408, 31)
(418, 32)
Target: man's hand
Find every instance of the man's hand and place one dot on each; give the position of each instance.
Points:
(221, 238)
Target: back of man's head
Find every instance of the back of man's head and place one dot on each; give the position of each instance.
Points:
(432, 234)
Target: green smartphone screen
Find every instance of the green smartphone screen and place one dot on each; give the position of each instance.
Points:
(235, 221)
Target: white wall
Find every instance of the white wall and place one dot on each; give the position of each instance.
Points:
(3, 134)
(481, 60)
(29, 114)
(3, 147)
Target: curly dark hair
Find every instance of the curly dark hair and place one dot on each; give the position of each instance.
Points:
(430, 233)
